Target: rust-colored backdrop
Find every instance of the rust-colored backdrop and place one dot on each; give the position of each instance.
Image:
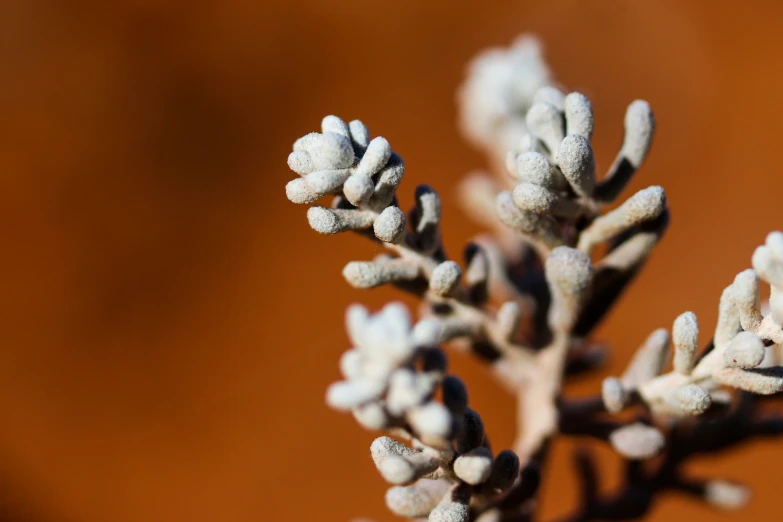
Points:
(170, 322)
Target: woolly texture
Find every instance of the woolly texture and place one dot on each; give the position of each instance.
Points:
(525, 299)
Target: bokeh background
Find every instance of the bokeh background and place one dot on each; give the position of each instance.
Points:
(170, 322)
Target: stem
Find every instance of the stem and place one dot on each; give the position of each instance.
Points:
(537, 416)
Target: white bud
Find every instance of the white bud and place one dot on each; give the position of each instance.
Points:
(333, 221)
(351, 363)
(326, 181)
(550, 95)
(375, 157)
(300, 162)
(416, 500)
(445, 278)
(575, 159)
(450, 511)
(726, 495)
(639, 130)
(649, 359)
(426, 332)
(637, 441)
(690, 399)
(360, 134)
(372, 416)
(383, 447)
(546, 123)
(613, 394)
(334, 124)
(774, 242)
(408, 467)
(746, 295)
(685, 336)
(535, 168)
(369, 274)
(331, 151)
(355, 320)
(579, 115)
(746, 350)
(406, 390)
(431, 419)
(728, 318)
(474, 466)
(768, 265)
(389, 227)
(540, 200)
(307, 142)
(358, 189)
(346, 395)
(644, 206)
(297, 192)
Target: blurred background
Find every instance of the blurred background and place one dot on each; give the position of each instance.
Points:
(169, 320)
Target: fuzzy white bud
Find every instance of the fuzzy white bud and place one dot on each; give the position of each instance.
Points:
(576, 161)
(579, 115)
(685, 337)
(375, 157)
(474, 467)
(389, 227)
(746, 295)
(432, 419)
(613, 394)
(358, 189)
(746, 350)
(637, 441)
(546, 123)
(445, 278)
(334, 124)
(639, 131)
(297, 192)
(360, 134)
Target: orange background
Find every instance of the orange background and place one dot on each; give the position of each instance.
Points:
(170, 322)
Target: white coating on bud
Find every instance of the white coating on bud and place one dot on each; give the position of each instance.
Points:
(333, 221)
(576, 162)
(331, 151)
(546, 123)
(690, 399)
(358, 189)
(613, 394)
(535, 168)
(746, 295)
(637, 441)
(390, 225)
(551, 95)
(445, 278)
(360, 134)
(639, 131)
(327, 181)
(375, 157)
(474, 466)
(432, 419)
(297, 192)
(685, 337)
(746, 350)
(369, 274)
(579, 115)
(334, 124)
